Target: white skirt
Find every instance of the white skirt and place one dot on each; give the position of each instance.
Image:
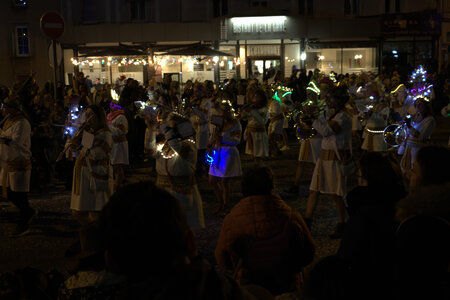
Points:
(310, 150)
(120, 154)
(378, 143)
(17, 181)
(260, 144)
(88, 200)
(276, 127)
(193, 207)
(328, 178)
(226, 162)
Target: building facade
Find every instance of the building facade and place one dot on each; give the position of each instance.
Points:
(344, 36)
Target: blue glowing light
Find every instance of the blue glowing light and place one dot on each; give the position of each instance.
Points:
(209, 158)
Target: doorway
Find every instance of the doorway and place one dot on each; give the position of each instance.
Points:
(263, 68)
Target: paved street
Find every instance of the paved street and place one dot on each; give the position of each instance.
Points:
(54, 229)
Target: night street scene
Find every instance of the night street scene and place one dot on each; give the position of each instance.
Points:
(225, 149)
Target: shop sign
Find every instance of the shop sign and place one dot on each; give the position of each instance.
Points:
(423, 23)
(259, 24)
(269, 27)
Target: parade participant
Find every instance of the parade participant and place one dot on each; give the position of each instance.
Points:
(200, 119)
(118, 125)
(275, 130)
(257, 115)
(176, 158)
(328, 177)
(419, 130)
(15, 142)
(120, 84)
(376, 122)
(226, 162)
(92, 175)
(309, 145)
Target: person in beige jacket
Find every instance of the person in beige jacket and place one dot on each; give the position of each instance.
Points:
(15, 155)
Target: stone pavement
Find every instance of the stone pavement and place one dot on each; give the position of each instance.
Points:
(54, 229)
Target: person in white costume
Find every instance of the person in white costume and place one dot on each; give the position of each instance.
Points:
(93, 181)
(257, 115)
(373, 134)
(419, 130)
(118, 125)
(275, 130)
(329, 177)
(176, 159)
(226, 161)
(309, 146)
(200, 120)
(15, 155)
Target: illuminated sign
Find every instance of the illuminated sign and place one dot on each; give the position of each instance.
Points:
(276, 24)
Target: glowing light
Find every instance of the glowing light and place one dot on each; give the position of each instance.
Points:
(303, 56)
(394, 52)
(321, 57)
(210, 158)
(215, 59)
(374, 131)
(397, 88)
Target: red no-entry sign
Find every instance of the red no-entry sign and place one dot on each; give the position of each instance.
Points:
(52, 24)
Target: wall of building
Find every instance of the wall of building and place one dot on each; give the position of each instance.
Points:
(12, 66)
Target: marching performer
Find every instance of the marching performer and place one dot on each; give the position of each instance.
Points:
(329, 173)
(275, 130)
(118, 125)
(419, 130)
(176, 158)
(255, 134)
(373, 134)
(92, 184)
(15, 142)
(309, 145)
(225, 158)
(200, 117)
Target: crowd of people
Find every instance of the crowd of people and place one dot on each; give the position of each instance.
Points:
(394, 226)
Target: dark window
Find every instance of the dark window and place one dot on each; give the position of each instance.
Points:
(22, 40)
(258, 3)
(137, 9)
(216, 8)
(397, 6)
(224, 7)
(90, 11)
(309, 7)
(351, 7)
(301, 7)
(387, 6)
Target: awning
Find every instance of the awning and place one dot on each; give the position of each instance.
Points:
(197, 50)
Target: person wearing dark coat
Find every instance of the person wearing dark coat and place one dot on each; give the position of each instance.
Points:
(367, 245)
(263, 241)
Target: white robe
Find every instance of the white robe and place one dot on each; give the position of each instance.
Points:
(257, 118)
(226, 158)
(93, 192)
(119, 127)
(202, 117)
(17, 150)
(328, 176)
(275, 127)
(373, 134)
(175, 169)
(423, 129)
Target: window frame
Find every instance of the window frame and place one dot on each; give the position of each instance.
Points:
(141, 14)
(17, 39)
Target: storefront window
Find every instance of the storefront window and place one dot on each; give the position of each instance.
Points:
(342, 60)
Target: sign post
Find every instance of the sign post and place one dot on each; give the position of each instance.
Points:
(52, 24)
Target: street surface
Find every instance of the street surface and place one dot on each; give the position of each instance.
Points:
(54, 229)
